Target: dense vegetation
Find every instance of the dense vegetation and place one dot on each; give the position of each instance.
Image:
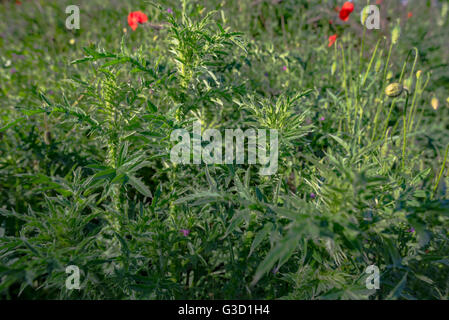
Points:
(86, 178)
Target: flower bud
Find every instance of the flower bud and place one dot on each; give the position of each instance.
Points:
(418, 74)
(435, 103)
(394, 90)
(365, 13)
(378, 65)
(395, 34)
(408, 83)
(389, 75)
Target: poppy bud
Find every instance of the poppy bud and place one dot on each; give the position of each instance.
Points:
(378, 65)
(389, 75)
(418, 74)
(435, 103)
(395, 34)
(334, 67)
(384, 149)
(365, 13)
(408, 83)
(394, 90)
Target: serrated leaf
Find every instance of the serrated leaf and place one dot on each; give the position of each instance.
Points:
(139, 186)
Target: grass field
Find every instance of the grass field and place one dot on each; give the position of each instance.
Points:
(86, 177)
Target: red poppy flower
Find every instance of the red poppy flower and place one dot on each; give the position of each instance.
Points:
(346, 10)
(332, 40)
(136, 17)
(409, 15)
(378, 2)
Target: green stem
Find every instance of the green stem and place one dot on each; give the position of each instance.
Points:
(422, 112)
(413, 107)
(346, 87)
(441, 172)
(405, 131)
(388, 117)
(384, 77)
(370, 64)
(361, 50)
(380, 107)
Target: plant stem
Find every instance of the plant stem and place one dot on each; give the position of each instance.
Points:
(405, 131)
(380, 107)
(441, 172)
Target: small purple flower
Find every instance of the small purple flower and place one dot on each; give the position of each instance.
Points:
(185, 232)
(12, 70)
(313, 195)
(169, 11)
(266, 74)
(284, 68)
(411, 230)
(275, 270)
(50, 92)
(322, 118)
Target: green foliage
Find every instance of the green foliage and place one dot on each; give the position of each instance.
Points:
(86, 177)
